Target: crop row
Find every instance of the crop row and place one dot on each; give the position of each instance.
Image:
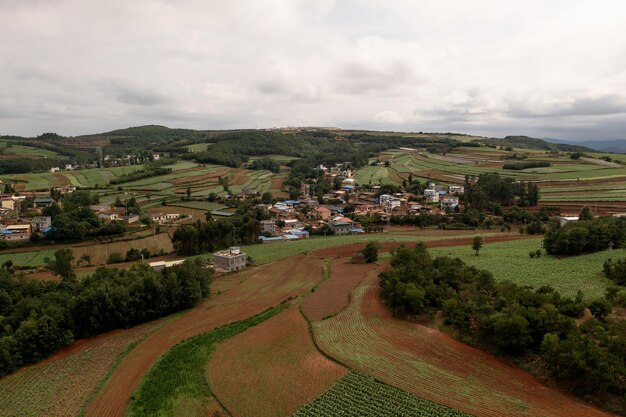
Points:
(360, 395)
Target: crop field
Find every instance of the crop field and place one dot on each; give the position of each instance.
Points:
(359, 395)
(27, 151)
(510, 261)
(430, 364)
(30, 258)
(334, 294)
(177, 385)
(278, 158)
(271, 369)
(200, 205)
(60, 385)
(254, 291)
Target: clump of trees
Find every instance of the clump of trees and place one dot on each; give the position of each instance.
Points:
(265, 163)
(38, 318)
(490, 189)
(370, 252)
(512, 320)
(585, 236)
(214, 235)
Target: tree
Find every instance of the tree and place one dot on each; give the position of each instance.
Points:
(62, 264)
(477, 244)
(188, 193)
(370, 252)
(84, 258)
(585, 214)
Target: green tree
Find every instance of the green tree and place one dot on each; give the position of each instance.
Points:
(62, 264)
(477, 244)
(585, 214)
(370, 252)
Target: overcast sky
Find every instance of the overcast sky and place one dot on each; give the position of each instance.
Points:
(542, 68)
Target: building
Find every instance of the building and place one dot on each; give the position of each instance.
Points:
(390, 202)
(8, 203)
(268, 226)
(456, 189)
(161, 218)
(567, 219)
(341, 225)
(431, 195)
(108, 216)
(39, 223)
(161, 265)
(449, 203)
(229, 260)
(305, 189)
(16, 232)
(69, 167)
(131, 218)
(323, 213)
(55, 169)
(42, 202)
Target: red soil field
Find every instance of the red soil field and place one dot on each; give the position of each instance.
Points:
(334, 294)
(271, 369)
(432, 365)
(349, 250)
(239, 177)
(259, 289)
(277, 183)
(60, 385)
(198, 178)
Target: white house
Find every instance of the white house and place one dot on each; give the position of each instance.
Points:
(431, 195)
(567, 219)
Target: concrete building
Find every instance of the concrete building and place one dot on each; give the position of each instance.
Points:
(161, 265)
(431, 195)
(39, 223)
(43, 202)
(341, 225)
(567, 219)
(389, 202)
(268, 226)
(456, 189)
(449, 203)
(229, 260)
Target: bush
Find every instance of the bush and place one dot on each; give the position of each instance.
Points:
(115, 258)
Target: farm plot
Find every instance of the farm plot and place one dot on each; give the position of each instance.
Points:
(61, 385)
(258, 289)
(271, 369)
(430, 364)
(334, 294)
(358, 395)
(177, 385)
(510, 261)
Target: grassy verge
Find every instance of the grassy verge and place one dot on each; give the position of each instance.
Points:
(177, 383)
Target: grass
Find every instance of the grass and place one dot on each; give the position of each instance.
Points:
(30, 258)
(510, 261)
(201, 205)
(177, 382)
(359, 395)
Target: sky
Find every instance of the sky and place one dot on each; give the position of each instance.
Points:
(550, 69)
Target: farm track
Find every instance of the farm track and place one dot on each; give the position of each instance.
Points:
(271, 369)
(432, 365)
(257, 290)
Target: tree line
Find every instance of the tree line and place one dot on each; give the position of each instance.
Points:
(38, 318)
(512, 320)
(585, 236)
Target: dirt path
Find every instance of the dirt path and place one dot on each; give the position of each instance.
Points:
(259, 289)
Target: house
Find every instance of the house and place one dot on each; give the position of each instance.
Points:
(131, 218)
(69, 167)
(55, 169)
(39, 223)
(305, 189)
(66, 189)
(323, 213)
(108, 216)
(567, 219)
(268, 226)
(16, 232)
(341, 225)
(456, 189)
(8, 203)
(389, 202)
(229, 260)
(431, 195)
(161, 265)
(161, 218)
(42, 202)
(449, 203)
(156, 156)
(301, 234)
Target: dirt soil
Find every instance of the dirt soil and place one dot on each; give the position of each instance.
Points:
(259, 289)
(432, 365)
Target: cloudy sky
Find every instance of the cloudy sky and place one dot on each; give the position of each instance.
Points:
(544, 68)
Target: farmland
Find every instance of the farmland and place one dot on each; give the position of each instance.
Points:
(359, 395)
(510, 261)
(271, 369)
(368, 339)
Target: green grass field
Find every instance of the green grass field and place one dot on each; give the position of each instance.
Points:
(510, 261)
(27, 151)
(201, 205)
(32, 258)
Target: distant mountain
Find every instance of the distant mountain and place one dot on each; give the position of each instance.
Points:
(615, 145)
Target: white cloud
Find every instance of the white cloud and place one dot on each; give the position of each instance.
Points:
(532, 67)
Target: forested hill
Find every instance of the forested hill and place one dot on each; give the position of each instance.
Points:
(534, 143)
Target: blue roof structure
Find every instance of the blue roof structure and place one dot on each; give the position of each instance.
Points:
(300, 233)
(290, 237)
(357, 230)
(348, 187)
(270, 239)
(292, 202)
(6, 232)
(337, 209)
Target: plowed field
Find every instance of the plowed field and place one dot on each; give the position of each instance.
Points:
(334, 294)
(271, 369)
(260, 289)
(430, 364)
